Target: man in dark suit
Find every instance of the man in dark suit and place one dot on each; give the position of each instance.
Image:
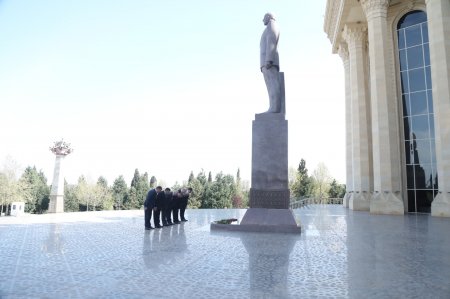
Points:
(159, 205)
(149, 205)
(167, 209)
(184, 202)
(176, 206)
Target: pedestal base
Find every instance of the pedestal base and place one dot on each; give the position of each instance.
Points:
(346, 200)
(386, 203)
(359, 201)
(56, 204)
(264, 220)
(269, 199)
(440, 206)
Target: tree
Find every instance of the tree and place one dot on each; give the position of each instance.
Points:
(191, 177)
(210, 177)
(138, 191)
(219, 195)
(119, 191)
(153, 182)
(321, 181)
(35, 186)
(302, 185)
(102, 181)
(336, 190)
(195, 199)
(238, 200)
(11, 189)
(82, 192)
(71, 203)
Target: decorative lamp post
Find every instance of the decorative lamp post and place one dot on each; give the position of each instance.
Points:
(61, 149)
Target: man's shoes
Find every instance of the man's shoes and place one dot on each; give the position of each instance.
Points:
(158, 226)
(176, 222)
(184, 220)
(149, 228)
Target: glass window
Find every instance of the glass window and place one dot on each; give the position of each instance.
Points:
(416, 80)
(426, 53)
(428, 77)
(418, 103)
(401, 39)
(411, 201)
(430, 101)
(403, 64)
(412, 18)
(423, 201)
(420, 127)
(433, 151)
(415, 57)
(406, 106)
(425, 30)
(407, 127)
(407, 152)
(423, 151)
(419, 175)
(410, 176)
(418, 117)
(413, 35)
(404, 78)
(431, 119)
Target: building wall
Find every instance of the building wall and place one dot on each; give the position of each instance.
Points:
(373, 77)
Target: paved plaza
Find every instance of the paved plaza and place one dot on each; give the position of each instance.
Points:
(339, 254)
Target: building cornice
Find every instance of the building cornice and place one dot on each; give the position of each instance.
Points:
(333, 14)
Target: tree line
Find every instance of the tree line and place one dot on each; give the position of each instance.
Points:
(218, 192)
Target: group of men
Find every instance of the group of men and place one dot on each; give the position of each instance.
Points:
(164, 205)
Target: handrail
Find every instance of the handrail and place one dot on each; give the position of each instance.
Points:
(297, 203)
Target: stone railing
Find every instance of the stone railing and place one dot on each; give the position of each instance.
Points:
(297, 203)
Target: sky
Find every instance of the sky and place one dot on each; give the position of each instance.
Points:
(167, 87)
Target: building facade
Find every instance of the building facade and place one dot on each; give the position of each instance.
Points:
(396, 56)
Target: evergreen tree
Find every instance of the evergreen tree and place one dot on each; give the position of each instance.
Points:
(209, 177)
(336, 190)
(119, 190)
(153, 182)
(71, 203)
(303, 185)
(136, 178)
(191, 177)
(102, 181)
(220, 193)
(38, 193)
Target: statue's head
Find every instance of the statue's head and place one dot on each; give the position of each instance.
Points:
(267, 17)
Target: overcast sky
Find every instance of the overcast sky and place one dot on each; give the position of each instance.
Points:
(167, 87)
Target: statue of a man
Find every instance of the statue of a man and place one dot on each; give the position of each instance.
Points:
(269, 61)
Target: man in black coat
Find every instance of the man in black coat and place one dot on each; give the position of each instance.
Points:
(184, 203)
(149, 205)
(176, 206)
(159, 205)
(167, 209)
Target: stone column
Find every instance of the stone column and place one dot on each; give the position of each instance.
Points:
(438, 13)
(56, 204)
(355, 35)
(343, 53)
(387, 198)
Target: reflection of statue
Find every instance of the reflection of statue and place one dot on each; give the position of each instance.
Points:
(269, 62)
(269, 264)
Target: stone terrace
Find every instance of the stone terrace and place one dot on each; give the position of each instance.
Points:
(340, 254)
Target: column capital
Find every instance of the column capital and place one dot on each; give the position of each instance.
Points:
(375, 8)
(355, 33)
(343, 52)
